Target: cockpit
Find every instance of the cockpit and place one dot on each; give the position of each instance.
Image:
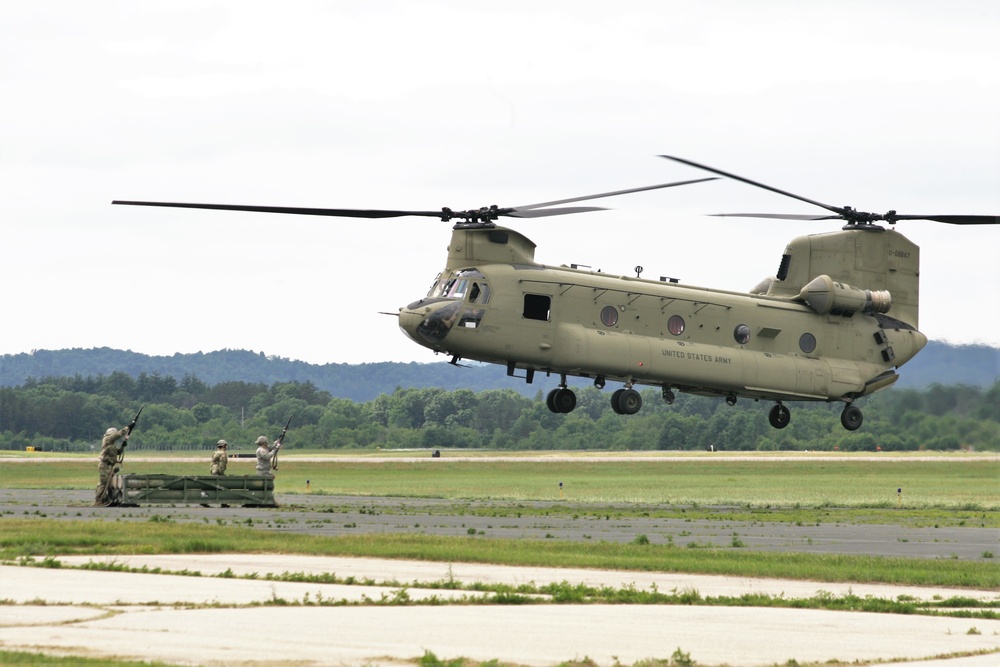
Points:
(467, 282)
(455, 300)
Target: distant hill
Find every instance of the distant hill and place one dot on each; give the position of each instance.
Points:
(941, 363)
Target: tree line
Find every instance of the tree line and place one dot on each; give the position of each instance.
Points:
(71, 414)
(938, 362)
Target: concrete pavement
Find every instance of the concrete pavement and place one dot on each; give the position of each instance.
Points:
(210, 620)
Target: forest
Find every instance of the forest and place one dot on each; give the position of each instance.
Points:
(942, 363)
(70, 414)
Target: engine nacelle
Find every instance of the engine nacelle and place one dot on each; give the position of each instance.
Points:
(825, 295)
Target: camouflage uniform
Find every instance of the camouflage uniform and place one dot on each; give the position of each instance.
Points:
(110, 451)
(265, 455)
(220, 458)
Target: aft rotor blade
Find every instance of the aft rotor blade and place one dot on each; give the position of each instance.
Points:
(954, 219)
(605, 194)
(834, 209)
(336, 212)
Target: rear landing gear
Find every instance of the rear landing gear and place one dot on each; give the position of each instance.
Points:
(779, 416)
(851, 417)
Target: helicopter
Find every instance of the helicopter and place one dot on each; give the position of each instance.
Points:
(835, 322)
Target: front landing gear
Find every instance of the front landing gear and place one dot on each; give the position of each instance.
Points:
(626, 401)
(851, 417)
(779, 416)
(561, 399)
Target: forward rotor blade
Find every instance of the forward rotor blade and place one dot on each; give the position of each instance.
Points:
(337, 212)
(954, 219)
(529, 211)
(833, 209)
(548, 212)
(776, 216)
(609, 194)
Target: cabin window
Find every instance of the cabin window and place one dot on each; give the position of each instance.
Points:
(807, 343)
(675, 325)
(742, 334)
(537, 306)
(609, 316)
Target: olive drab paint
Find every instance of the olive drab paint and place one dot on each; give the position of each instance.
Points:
(833, 336)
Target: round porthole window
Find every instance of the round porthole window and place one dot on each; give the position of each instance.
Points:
(609, 316)
(742, 334)
(675, 325)
(807, 343)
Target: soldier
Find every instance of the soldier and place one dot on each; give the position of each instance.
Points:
(265, 456)
(110, 456)
(220, 458)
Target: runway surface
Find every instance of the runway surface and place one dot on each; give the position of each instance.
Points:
(355, 515)
(215, 620)
(211, 620)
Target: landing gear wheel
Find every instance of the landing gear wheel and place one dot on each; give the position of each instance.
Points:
(561, 400)
(851, 417)
(550, 400)
(628, 402)
(614, 401)
(779, 416)
(565, 400)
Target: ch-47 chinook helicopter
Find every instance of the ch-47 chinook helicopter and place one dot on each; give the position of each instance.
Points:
(834, 324)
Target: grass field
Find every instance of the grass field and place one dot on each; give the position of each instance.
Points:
(946, 491)
(949, 484)
(23, 538)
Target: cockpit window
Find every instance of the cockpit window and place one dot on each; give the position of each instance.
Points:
(434, 285)
(458, 285)
(457, 288)
(480, 293)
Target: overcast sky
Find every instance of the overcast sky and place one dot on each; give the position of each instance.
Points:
(419, 105)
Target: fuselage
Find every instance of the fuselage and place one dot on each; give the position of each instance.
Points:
(493, 303)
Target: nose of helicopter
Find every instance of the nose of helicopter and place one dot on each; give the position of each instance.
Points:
(409, 320)
(428, 322)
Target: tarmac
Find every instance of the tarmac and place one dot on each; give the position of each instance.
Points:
(234, 620)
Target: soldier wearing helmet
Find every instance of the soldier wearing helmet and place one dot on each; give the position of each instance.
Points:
(220, 458)
(110, 456)
(265, 456)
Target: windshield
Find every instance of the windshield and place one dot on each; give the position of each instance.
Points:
(465, 283)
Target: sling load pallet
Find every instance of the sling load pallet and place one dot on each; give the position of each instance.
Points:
(131, 490)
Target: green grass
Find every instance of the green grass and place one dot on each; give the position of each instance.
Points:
(26, 658)
(947, 492)
(23, 538)
(761, 482)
